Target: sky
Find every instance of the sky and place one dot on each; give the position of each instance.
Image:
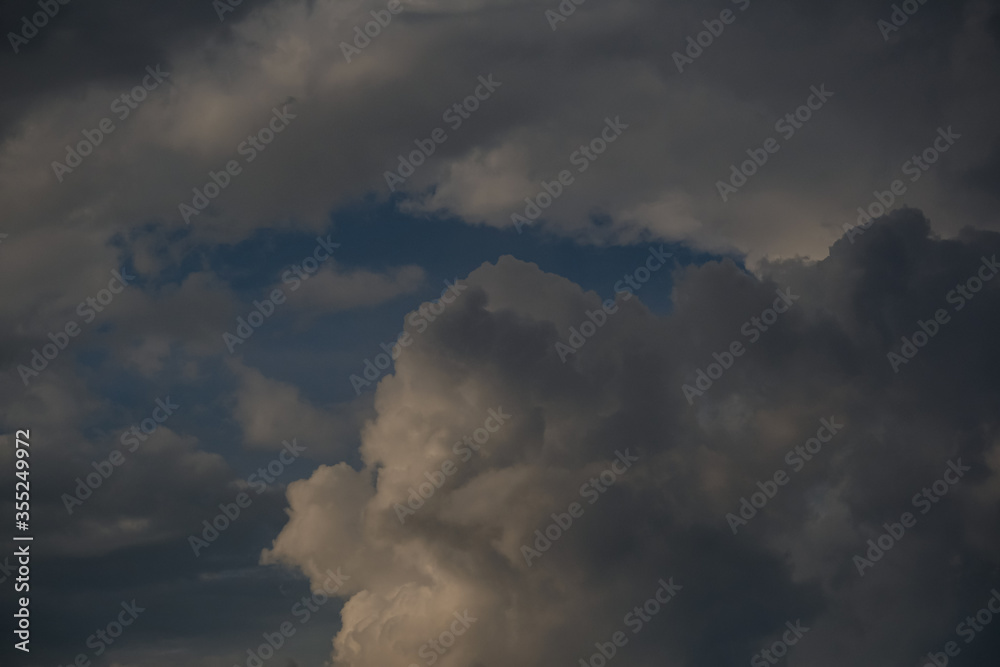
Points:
(483, 333)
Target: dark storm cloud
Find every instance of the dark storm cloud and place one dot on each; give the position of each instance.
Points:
(659, 179)
(94, 42)
(128, 536)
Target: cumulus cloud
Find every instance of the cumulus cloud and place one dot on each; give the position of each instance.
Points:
(824, 360)
(496, 348)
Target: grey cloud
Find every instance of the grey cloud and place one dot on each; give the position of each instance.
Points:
(658, 179)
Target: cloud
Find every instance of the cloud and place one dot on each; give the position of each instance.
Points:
(825, 359)
(270, 412)
(333, 289)
(658, 179)
(150, 497)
